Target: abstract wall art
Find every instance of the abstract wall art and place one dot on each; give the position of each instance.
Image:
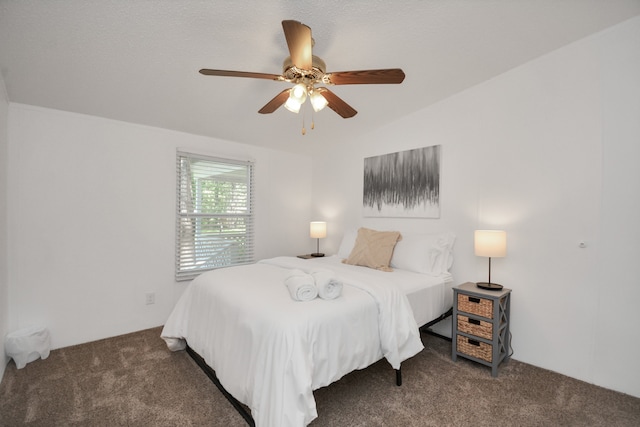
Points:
(403, 184)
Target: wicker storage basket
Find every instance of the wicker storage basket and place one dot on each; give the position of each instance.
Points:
(475, 348)
(476, 305)
(475, 327)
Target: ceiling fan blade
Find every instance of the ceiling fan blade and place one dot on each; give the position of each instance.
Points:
(337, 104)
(385, 76)
(225, 73)
(275, 103)
(299, 41)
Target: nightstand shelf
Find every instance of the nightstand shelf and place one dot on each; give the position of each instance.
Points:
(481, 325)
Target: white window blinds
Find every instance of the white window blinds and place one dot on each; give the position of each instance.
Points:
(214, 220)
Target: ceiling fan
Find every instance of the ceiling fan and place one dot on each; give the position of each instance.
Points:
(306, 71)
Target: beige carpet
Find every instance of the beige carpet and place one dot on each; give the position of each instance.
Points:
(133, 380)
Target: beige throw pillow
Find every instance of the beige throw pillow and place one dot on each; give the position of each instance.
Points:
(373, 249)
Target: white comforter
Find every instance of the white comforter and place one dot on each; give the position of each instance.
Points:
(270, 352)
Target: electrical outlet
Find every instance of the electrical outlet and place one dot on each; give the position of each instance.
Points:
(150, 298)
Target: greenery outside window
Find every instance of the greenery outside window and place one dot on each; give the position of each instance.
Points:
(214, 219)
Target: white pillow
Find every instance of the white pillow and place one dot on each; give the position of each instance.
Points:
(424, 253)
(347, 244)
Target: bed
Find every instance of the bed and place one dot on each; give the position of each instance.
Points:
(269, 352)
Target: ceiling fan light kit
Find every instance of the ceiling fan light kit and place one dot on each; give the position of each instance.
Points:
(318, 102)
(305, 71)
(297, 96)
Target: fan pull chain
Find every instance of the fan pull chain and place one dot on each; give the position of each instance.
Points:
(304, 114)
(313, 125)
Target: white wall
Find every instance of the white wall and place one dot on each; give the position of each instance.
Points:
(4, 286)
(618, 273)
(548, 152)
(91, 219)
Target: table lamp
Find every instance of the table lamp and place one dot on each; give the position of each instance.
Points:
(491, 244)
(318, 230)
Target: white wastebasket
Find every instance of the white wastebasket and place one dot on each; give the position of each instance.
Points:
(28, 344)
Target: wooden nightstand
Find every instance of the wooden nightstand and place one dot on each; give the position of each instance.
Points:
(481, 325)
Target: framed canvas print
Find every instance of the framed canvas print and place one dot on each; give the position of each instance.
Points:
(403, 184)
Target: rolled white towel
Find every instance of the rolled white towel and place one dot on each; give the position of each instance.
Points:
(328, 286)
(301, 286)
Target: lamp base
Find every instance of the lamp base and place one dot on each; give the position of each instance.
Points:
(489, 286)
(317, 255)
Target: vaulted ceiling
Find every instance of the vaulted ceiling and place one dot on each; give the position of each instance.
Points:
(138, 61)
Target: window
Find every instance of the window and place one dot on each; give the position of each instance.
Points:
(214, 220)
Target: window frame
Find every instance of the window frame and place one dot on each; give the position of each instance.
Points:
(213, 230)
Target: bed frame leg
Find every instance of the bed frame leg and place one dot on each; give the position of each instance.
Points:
(426, 328)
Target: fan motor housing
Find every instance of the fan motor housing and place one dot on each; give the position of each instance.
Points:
(293, 73)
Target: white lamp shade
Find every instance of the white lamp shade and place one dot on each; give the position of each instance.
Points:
(299, 93)
(297, 96)
(318, 229)
(490, 243)
(318, 102)
(292, 105)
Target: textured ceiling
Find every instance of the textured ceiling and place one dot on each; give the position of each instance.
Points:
(138, 61)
